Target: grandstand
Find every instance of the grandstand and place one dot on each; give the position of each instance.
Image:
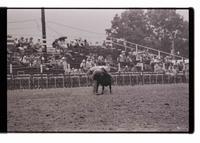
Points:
(21, 57)
(129, 64)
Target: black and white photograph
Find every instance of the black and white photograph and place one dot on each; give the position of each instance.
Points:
(98, 70)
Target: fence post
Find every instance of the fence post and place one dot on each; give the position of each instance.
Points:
(38, 82)
(41, 84)
(64, 80)
(55, 82)
(11, 69)
(119, 67)
(79, 80)
(12, 81)
(186, 78)
(159, 54)
(175, 79)
(142, 78)
(168, 77)
(116, 79)
(181, 79)
(20, 84)
(41, 71)
(47, 82)
(29, 83)
(86, 78)
(156, 78)
(136, 48)
(123, 82)
(72, 81)
(41, 68)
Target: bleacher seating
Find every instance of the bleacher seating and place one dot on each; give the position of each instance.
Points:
(24, 60)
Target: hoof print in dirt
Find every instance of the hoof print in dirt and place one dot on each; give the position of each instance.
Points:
(90, 110)
(102, 121)
(82, 117)
(110, 129)
(167, 104)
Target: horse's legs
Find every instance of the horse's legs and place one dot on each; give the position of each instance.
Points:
(110, 88)
(97, 87)
(94, 86)
(102, 89)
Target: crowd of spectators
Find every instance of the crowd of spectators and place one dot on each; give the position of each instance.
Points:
(61, 44)
(27, 45)
(30, 53)
(26, 52)
(145, 61)
(94, 60)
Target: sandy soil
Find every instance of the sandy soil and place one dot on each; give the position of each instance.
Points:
(128, 108)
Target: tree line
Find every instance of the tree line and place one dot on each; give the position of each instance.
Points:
(156, 28)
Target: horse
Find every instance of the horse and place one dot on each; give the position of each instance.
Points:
(100, 76)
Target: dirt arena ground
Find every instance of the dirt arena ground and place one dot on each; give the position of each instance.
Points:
(129, 108)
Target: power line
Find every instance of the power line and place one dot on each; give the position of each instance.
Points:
(52, 29)
(20, 28)
(22, 21)
(75, 28)
(37, 25)
(64, 25)
(32, 21)
(60, 34)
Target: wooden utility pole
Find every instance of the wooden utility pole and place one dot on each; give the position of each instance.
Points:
(44, 50)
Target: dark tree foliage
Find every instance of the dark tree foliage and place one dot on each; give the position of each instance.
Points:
(155, 28)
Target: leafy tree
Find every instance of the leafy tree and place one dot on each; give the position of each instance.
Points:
(155, 28)
(130, 26)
